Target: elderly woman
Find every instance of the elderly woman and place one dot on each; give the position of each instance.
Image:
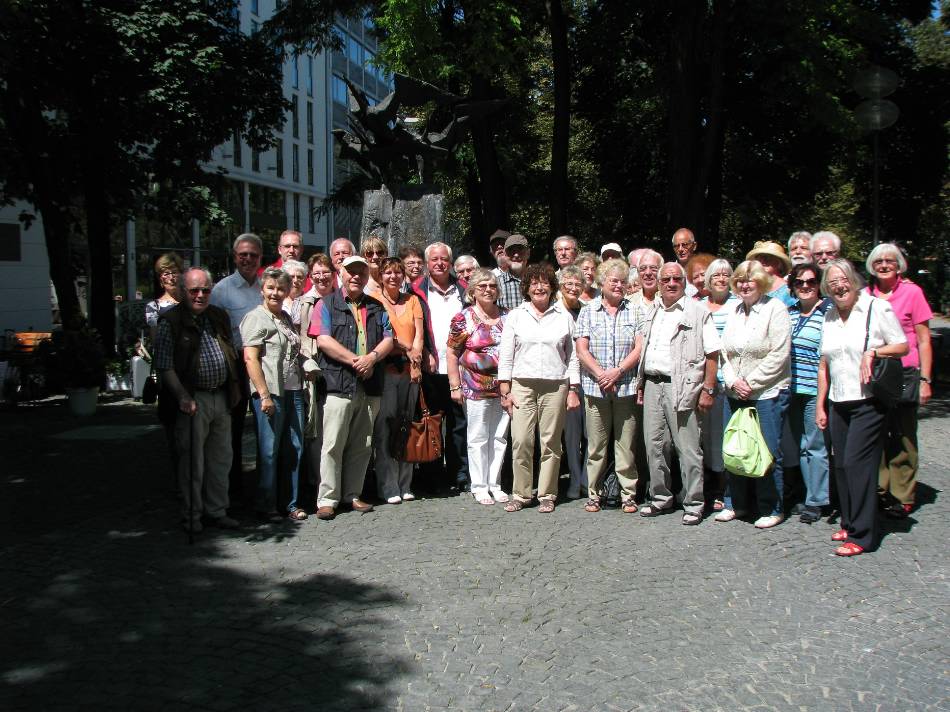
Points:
(374, 251)
(401, 382)
(608, 346)
(297, 271)
(321, 274)
(776, 263)
(274, 367)
(696, 274)
(755, 367)
(898, 478)
(538, 381)
(858, 330)
(168, 270)
(464, 266)
(572, 283)
(719, 301)
(633, 282)
(472, 357)
(587, 262)
(807, 319)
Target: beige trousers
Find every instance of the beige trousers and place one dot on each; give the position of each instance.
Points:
(542, 404)
(204, 471)
(347, 446)
(611, 422)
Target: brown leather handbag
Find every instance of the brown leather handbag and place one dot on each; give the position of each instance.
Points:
(424, 437)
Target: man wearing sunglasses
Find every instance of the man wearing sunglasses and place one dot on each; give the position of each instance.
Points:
(197, 363)
(825, 247)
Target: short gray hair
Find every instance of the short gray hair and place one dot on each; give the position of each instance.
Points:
(464, 259)
(568, 238)
(347, 241)
(799, 235)
(247, 237)
(433, 245)
(572, 272)
(825, 235)
(182, 290)
(850, 273)
(294, 266)
(615, 265)
(278, 275)
(650, 253)
(886, 248)
(715, 267)
(680, 267)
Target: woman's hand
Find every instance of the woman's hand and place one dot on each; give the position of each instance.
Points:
(573, 400)
(867, 366)
(926, 392)
(741, 388)
(608, 378)
(267, 406)
(455, 393)
(508, 403)
(821, 417)
(415, 356)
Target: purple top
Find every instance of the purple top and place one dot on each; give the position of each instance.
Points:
(476, 345)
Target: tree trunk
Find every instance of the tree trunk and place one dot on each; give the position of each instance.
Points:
(98, 228)
(56, 234)
(560, 143)
(476, 217)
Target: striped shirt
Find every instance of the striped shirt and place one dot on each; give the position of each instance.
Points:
(719, 319)
(806, 347)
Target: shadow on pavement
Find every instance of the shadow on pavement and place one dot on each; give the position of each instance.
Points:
(104, 605)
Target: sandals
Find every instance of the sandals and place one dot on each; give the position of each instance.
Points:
(849, 549)
(514, 505)
(718, 505)
(546, 506)
(691, 519)
(593, 505)
(500, 497)
(652, 510)
(840, 535)
(485, 499)
(297, 515)
(629, 506)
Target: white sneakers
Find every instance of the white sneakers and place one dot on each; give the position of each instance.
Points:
(768, 522)
(726, 515)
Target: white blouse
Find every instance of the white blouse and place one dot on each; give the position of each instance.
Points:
(842, 344)
(538, 347)
(757, 347)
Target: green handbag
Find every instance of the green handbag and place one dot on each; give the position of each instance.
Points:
(744, 451)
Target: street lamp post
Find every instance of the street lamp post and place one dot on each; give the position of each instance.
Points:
(876, 113)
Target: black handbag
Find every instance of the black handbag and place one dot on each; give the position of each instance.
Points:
(887, 374)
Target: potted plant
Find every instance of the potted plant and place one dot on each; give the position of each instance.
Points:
(79, 361)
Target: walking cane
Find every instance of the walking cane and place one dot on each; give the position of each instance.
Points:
(191, 480)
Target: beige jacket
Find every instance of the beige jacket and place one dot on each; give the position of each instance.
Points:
(757, 348)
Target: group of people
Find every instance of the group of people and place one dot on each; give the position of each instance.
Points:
(629, 365)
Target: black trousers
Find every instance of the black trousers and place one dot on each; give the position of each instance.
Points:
(857, 436)
(454, 470)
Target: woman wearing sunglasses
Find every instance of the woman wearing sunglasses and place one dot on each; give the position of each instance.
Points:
(807, 319)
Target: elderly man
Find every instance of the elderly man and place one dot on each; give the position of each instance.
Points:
(464, 266)
(565, 252)
(611, 251)
(340, 249)
(442, 298)
(825, 247)
(799, 247)
(289, 249)
(496, 245)
(353, 335)
(197, 365)
(684, 247)
(677, 376)
(238, 294)
(509, 283)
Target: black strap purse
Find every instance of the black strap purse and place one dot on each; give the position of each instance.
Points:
(887, 374)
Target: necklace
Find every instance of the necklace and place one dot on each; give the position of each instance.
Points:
(482, 316)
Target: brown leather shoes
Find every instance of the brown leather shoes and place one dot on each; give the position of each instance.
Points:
(326, 513)
(361, 506)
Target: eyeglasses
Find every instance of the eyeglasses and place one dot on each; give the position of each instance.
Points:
(885, 261)
(195, 291)
(648, 268)
(375, 253)
(805, 282)
(671, 278)
(170, 273)
(249, 255)
(833, 283)
(486, 287)
(830, 253)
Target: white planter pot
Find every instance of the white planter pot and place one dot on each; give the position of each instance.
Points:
(82, 401)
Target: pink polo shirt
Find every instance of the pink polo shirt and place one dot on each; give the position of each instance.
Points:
(911, 308)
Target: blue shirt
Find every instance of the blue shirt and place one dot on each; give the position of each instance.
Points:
(806, 347)
(611, 339)
(719, 319)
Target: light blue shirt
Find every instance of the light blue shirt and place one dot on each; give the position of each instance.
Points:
(237, 298)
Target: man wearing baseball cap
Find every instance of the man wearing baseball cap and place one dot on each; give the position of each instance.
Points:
(496, 244)
(354, 335)
(610, 251)
(509, 283)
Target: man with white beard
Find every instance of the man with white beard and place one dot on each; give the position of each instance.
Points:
(509, 283)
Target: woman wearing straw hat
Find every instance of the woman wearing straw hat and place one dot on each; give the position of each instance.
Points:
(776, 263)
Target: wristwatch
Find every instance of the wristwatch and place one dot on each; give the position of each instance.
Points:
(926, 380)
(710, 391)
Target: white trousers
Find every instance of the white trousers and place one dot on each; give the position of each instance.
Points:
(487, 432)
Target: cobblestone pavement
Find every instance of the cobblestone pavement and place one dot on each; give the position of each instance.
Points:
(443, 604)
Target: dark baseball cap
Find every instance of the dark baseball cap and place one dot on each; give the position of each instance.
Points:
(515, 241)
(499, 235)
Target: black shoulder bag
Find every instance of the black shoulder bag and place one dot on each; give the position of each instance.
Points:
(887, 374)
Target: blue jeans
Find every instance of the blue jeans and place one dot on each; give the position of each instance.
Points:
(280, 444)
(813, 457)
(768, 489)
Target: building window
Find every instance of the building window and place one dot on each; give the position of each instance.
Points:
(256, 7)
(255, 27)
(339, 91)
(341, 38)
(297, 212)
(296, 159)
(255, 160)
(312, 208)
(354, 50)
(236, 149)
(294, 72)
(309, 75)
(279, 153)
(310, 166)
(295, 116)
(309, 122)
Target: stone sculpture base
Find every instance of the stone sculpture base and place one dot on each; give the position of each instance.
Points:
(403, 214)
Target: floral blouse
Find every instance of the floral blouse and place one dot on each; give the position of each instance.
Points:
(476, 345)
